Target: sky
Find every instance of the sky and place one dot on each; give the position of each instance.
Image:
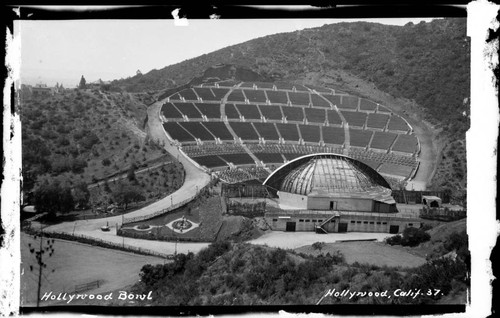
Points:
(64, 50)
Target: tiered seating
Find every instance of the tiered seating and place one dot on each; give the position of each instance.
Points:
(205, 94)
(293, 113)
(209, 110)
(395, 169)
(372, 163)
(378, 121)
(188, 94)
(266, 85)
(288, 131)
(169, 111)
(383, 140)
(333, 135)
(231, 112)
(382, 157)
(246, 85)
(266, 131)
(283, 85)
(317, 101)
(398, 124)
(310, 133)
(236, 96)
(242, 174)
(210, 161)
(301, 88)
(406, 143)
(175, 96)
(359, 137)
(367, 105)
(255, 96)
(257, 172)
(299, 99)
(197, 130)
(211, 149)
(291, 156)
(219, 130)
(219, 93)
(177, 132)
(333, 117)
(315, 115)
(244, 130)
(238, 158)
(271, 112)
(269, 157)
(228, 83)
(292, 148)
(248, 111)
(349, 102)
(356, 119)
(320, 89)
(383, 109)
(277, 97)
(334, 99)
(188, 109)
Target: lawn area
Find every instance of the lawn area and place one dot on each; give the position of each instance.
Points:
(75, 263)
(207, 212)
(373, 253)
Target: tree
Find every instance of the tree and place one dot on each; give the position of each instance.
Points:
(81, 195)
(127, 193)
(51, 197)
(48, 249)
(99, 199)
(131, 172)
(318, 246)
(83, 83)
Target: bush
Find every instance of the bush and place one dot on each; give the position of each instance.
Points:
(394, 240)
(106, 162)
(413, 237)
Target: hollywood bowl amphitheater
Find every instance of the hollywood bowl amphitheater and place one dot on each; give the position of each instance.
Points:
(324, 156)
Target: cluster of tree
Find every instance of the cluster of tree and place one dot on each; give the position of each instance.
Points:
(55, 197)
(412, 236)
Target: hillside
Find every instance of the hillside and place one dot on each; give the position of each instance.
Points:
(245, 274)
(427, 62)
(421, 70)
(78, 137)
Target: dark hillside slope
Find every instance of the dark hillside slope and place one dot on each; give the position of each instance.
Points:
(426, 62)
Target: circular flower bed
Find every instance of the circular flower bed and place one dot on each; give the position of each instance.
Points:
(182, 225)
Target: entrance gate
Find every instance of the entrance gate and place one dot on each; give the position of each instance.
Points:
(342, 227)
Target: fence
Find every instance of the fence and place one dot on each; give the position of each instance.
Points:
(95, 241)
(442, 214)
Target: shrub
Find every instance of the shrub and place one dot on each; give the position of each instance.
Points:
(394, 240)
(413, 236)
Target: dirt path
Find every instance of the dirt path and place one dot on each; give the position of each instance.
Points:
(195, 179)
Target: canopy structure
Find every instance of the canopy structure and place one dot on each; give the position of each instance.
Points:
(329, 176)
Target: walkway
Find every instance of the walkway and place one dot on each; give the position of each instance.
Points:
(427, 158)
(195, 179)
